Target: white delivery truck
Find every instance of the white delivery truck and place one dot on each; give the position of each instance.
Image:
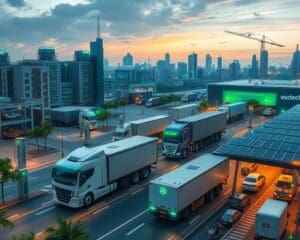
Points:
(183, 111)
(152, 126)
(271, 220)
(90, 173)
(235, 111)
(88, 116)
(284, 188)
(174, 195)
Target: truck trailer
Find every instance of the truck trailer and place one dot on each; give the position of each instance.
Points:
(152, 126)
(191, 133)
(183, 111)
(271, 220)
(177, 193)
(234, 111)
(87, 174)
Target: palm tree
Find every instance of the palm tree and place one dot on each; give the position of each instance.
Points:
(67, 230)
(4, 222)
(203, 106)
(29, 236)
(7, 172)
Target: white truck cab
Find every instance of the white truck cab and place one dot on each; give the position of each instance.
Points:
(89, 116)
(122, 132)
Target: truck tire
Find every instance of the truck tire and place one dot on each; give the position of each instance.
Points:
(186, 213)
(144, 173)
(134, 177)
(88, 199)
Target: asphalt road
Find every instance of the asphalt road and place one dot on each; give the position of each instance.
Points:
(120, 215)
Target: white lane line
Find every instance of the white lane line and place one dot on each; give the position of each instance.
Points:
(14, 216)
(228, 191)
(34, 178)
(100, 210)
(47, 203)
(122, 225)
(44, 211)
(137, 191)
(192, 221)
(133, 230)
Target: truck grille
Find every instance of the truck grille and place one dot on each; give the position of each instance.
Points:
(63, 194)
(170, 148)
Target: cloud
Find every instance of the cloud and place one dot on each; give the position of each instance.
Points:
(16, 3)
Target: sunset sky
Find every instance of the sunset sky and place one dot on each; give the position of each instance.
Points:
(150, 28)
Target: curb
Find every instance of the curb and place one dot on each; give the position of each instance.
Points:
(14, 202)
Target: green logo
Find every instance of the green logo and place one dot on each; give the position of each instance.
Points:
(163, 190)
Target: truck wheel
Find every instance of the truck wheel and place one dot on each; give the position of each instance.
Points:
(144, 173)
(134, 177)
(185, 153)
(186, 213)
(88, 199)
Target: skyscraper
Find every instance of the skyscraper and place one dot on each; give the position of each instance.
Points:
(219, 63)
(46, 54)
(208, 63)
(128, 60)
(263, 70)
(254, 67)
(181, 70)
(96, 50)
(4, 58)
(234, 70)
(295, 66)
(167, 58)
(192, 66)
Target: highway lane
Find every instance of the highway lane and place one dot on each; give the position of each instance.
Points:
(42, 217)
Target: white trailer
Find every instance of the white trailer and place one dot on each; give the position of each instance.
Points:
(177, 193)
(151, 126)
(235, 111)
(90, 173)
(271, 220)
(183, 111)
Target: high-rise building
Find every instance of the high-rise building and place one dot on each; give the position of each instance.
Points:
(97, 53)
(82, 56)
(200, 73)
(295, 66)
(192, 66)
(219, 67)
(254, 68)
(182, 70)
(167, 58)
(46, 54)
(6, 81)
(106, 63)
(234, 70)
(128, 60)
(208, 64)
(4, 58)
(263, 70)
(67, 83)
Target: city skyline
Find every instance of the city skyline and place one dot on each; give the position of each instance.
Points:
(155, 27)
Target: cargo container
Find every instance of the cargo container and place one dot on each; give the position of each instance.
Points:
(183, 111)
(235, 111)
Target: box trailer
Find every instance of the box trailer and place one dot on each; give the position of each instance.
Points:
(65, 116)
(175, 194)
(87, 174)
(234, 111)
(183, 111)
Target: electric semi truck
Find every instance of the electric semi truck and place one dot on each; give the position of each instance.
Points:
(87, 174)
(191, 133)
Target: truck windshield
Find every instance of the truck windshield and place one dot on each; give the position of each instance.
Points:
(65, 177)
(283, 184)
(172, 139)
(92, 118)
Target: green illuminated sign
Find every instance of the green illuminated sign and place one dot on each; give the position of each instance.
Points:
(169, 133)
(264, 98)
(163, 191)
(173, 214)
(152, 208)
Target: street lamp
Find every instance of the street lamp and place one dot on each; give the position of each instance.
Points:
(250, 116)
(62, 143)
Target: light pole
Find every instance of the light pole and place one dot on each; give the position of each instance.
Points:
(62, 143)
(250, 109)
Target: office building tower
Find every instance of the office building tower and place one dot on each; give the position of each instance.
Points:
(295, 66)
(192, 66)
(219, 63)
(263, 70)
(106, 63)
(67, 83)
(97, 53)
(234, 70)
(167, 59)
(200, 73)
(82, 56)
(182, 70)
(208, 64)
(128, 60)
(254, 68)
(4, 58)
(6, 81)
(46, 54)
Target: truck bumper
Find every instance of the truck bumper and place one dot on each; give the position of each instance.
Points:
(283, 198)
(74, 202)
(172, 155)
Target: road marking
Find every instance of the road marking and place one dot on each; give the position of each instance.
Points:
(122, 225)
(192, 221)
(14, 216)
(31, 179)
(46, 203)
(44, 211)
(100, 210)
(137, 191)
(228, 191)
(133, 230)
(175, 166)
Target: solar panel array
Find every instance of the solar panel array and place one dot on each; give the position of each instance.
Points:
(276, 142)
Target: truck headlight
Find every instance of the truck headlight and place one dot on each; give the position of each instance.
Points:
(290, 195)
(275, 193)
(177, 154)
(75, 194)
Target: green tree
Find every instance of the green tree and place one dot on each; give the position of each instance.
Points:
(47, 129)
(7, 172)
(4, 222)
(29, 236)
(36, 133)
(203, 106)
(67, 231)
(103, 116)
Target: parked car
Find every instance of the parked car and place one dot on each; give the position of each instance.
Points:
(248, 168)
(253, 182)
(230, 217)
(239, 201)
(10, 116)
(152, 102)
(268, 112)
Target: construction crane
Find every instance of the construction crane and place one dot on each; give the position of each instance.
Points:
(262, 41)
